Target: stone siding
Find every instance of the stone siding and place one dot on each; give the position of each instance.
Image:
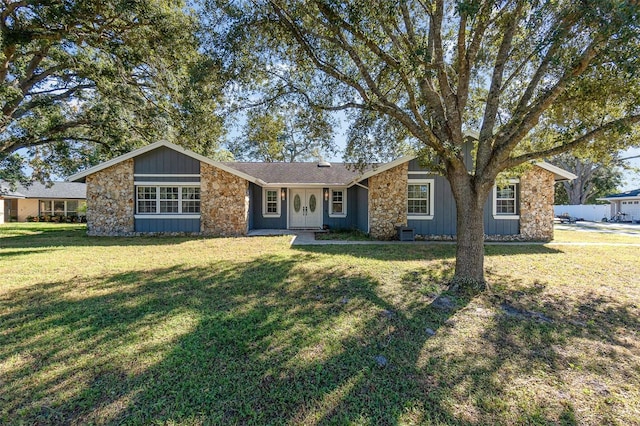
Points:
(111, 201)
(224, 202)
(388, 202)
(536, 204)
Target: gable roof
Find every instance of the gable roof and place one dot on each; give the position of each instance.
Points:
(286, 174)
(58, 190)
(264, 174)
(136, 152)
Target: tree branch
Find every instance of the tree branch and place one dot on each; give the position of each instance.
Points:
(486, 138)
(559, 149)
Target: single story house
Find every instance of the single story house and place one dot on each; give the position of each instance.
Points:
(625, 206)
(57, 199)
(164, 188)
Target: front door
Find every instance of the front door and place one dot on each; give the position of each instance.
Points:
(305, 208)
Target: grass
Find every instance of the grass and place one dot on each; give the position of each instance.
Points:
(251, 331)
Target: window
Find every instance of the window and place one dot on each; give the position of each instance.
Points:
(338, 204)
(167, 200)
(271, 202)
(420, 199)
(60, 207)
(190, 200)
(146, 199)
(72, 208)
(505, 205)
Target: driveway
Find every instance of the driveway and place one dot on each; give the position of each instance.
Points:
(627, 229)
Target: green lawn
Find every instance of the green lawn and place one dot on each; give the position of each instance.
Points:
(252, 331)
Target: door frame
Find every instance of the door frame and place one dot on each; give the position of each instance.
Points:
(319, 194)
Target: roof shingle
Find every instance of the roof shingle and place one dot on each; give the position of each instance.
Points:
(64, 190)
(298, 173)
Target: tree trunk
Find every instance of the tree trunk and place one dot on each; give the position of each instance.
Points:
(469, 271)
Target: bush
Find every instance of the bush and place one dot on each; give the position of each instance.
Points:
(57, 219)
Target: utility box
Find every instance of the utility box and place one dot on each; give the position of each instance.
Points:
(406, 233)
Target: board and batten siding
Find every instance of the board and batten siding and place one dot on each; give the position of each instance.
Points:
(444, 214)
(166, 161)
(362, 213)
(350, 220)
(170, 166)
(257, 219)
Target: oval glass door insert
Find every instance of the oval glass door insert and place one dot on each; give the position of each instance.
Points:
(312, 203)
(296, 203)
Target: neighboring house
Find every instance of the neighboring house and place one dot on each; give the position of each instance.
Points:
(625, 206)
(163, 188)
(59, 199)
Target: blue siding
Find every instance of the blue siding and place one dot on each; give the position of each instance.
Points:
(500, 226)
(250, 214)
(260, 222)
(165, 161)
(362, 213)
(350, 221)
(172, 179)
(167, 225)
(444, 217)
(444, 210)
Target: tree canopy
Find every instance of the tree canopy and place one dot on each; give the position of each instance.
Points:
(85, 80)
(284, 133)
(430, 71)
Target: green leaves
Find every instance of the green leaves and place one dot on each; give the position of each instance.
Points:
(281, 132)
(93, 79)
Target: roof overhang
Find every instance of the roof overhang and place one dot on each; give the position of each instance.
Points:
(80, 177)
(381, 168)
(560, 175)
(304, 185)
(7, 194)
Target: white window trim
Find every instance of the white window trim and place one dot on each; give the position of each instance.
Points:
(160, 183)
(344, 202)
(166, 216)
(498, 216)
(431, 183)
(264, 202)
(159, 215)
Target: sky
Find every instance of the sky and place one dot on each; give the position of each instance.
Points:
(631, 178)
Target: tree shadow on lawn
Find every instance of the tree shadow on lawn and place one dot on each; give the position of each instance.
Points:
(421, 251)
(260, 342)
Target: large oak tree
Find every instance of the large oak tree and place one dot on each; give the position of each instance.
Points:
(83, 80)
(432, 70)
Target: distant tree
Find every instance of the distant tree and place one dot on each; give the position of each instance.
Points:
(594, 179)
(81, 81)
(436, 69)
(284, 133)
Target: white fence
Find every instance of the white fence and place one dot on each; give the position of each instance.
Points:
(592, 212)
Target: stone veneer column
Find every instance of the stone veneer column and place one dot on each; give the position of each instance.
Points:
(388, 201)
(224, 203)
(536, 204)
(110, 201)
